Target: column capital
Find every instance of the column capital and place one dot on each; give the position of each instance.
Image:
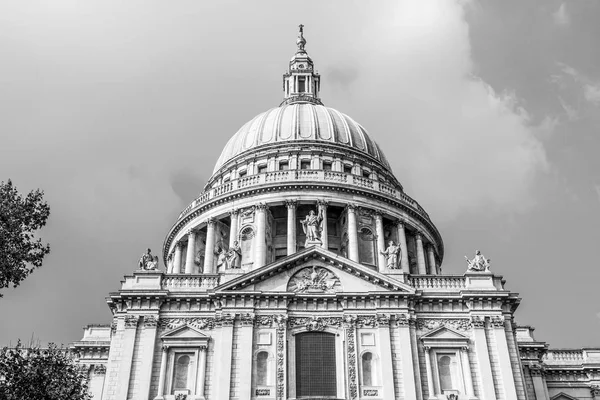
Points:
(400, 222)
(291, 203)
(190, 232)
(418, 235)
(164, 348)
(234, 212)
(131, 321)
(352, 208)
(322, 203)
(211, 221)
(478, 322)
(203, 348)
(261, 207)
(378, 214)
(150, 321)
(427, 349)
(178, 245)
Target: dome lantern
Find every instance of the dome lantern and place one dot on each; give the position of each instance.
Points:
(301, 84)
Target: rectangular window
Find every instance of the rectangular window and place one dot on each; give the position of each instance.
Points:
(305, 164)
(182, 371)
(301, 84)
(242, 173)
(327, 165)
(315, 364)
(262, 169)
(347, 169)
(284, 165)
(366, 174)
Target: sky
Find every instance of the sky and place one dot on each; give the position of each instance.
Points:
(488, 113)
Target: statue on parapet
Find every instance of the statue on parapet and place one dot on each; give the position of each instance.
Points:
(479, 263)
(392, 254)
(233, 256)
(148, 262)
(311, 225)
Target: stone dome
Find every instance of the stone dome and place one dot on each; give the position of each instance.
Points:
(297, 122)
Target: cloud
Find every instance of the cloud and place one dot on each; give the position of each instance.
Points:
(588, 86)
(455, 143)
(597, 189)
(591, 93)
(561, 15)
(572, 113)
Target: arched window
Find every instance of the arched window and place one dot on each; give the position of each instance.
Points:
(246, 236)
(367, 369)
(445, 373)
(181, 372)
(366, 246)
(262, 368)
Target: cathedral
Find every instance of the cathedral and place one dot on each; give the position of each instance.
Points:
(304, 271)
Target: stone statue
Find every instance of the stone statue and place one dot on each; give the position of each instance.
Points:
(148, 262)
(479, 263)
(221, 257)
(311, 225)
(233, 256)
(392, 255)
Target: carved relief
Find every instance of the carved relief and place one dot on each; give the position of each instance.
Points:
(199, 323)
(315, 323)
(131, 321)
(314, 280)
(150, 321)
(281, 361)
(99, 369)
(247, 319)
(351, 351)
(433, 323)
(497, 322)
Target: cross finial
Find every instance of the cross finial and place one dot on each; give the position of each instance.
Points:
(301, 28)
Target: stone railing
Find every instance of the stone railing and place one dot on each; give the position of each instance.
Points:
(186, 282)
(564, 356)
(311, 175)
(438, 282)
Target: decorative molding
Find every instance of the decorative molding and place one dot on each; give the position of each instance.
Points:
(291, 204)
(280, 349)
(315, 323)
(314, 280)
(497, 322)
(536, 369)
(262, 207)
(224, 320)
(211, 221)
(234, 213)
(150, 321)
(197, 322)
(433, 323)
(383, 320)
(351, 351)
(131, 321)
(247, 319)
(478, 322)
(99, 369)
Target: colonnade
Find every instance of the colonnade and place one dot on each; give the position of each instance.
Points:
(259, 245)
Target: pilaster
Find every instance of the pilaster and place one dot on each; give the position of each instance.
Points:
(245, 346)
(488, 391)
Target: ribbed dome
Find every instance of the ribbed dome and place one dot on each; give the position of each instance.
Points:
(301, 122)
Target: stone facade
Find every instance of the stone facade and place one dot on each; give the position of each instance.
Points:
(304, 271)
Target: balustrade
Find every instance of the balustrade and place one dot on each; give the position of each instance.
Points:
(438, 282)
(302, 175)
(185, 282)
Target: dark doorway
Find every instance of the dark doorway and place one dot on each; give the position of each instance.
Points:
(315, 364)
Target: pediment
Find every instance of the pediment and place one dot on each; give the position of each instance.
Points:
(444, 337)
(184, 332)
(315, 271)
(563, 396)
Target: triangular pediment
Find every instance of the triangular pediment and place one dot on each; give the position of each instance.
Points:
(444, 333)
(563, 396)
(184, 332)
(315, 271)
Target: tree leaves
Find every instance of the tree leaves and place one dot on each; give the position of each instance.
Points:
(20, 251)
(36, 373)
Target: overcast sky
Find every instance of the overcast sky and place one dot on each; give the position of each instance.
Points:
(488, 112)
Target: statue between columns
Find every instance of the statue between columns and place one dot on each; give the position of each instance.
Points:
(148, 262)
(479, 263)
(392, 254)
(311, 225)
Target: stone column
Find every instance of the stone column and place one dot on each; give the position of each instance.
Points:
(431, 259)
(233, 227)
(380, 241)
(291, 226)
(420, 254)
(409, 374)
(483, 359)
(540, 387)
(131, 322)
(163, 373)
(403, 247)
(221, 380)
(322, 204)
(201, 373)
(260, 250)
(177, 259)
(245, 342)
(209, 251)
(191, 252)
(429, 371)
(506, 370)
(352, 233)
(385, 345)
(466, 368)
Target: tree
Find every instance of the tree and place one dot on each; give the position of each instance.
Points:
(20, 217)
(44, 374)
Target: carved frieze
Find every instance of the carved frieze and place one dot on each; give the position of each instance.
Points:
(351, 351)
(197, 322)
(314, 280)
(315, 323)
(433, 323)
(281, 393)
